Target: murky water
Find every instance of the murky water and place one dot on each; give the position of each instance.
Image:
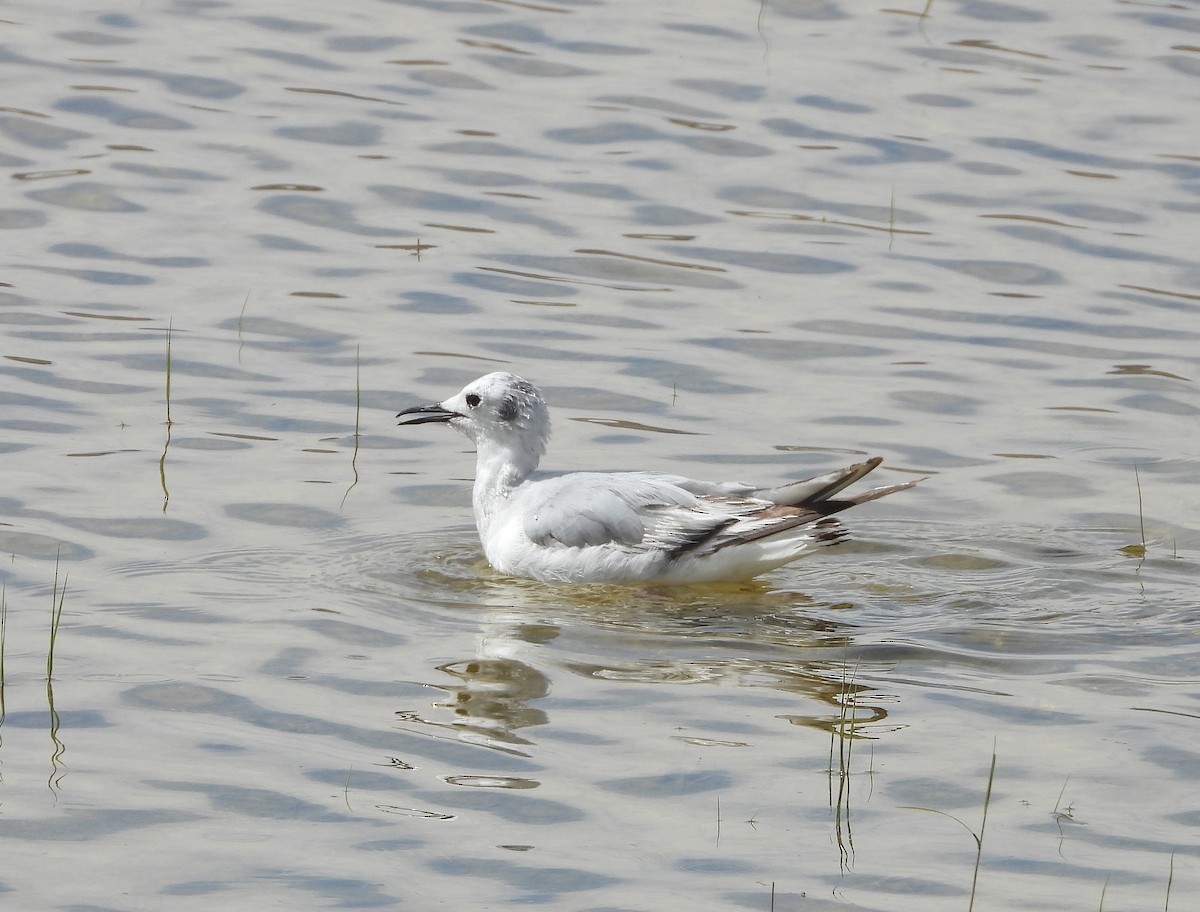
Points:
(732, 240)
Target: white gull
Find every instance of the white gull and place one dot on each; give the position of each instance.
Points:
(622, 527)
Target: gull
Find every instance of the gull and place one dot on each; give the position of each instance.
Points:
(625, 527)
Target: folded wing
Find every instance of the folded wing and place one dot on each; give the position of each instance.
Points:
(679, 516)
(632, 511)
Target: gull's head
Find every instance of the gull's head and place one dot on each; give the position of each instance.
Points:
(499, 408)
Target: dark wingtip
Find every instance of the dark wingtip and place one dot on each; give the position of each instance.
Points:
(875, 493)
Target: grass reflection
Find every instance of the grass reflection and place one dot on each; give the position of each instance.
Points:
(162, 460)
(3, 625)
(57, 600)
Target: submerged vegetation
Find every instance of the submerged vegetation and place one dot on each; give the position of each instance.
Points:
(841, 744)
(57, 598)
(1138, 550)
(357, 421)
(162, 460)
(3, 625)
(1059, 814)
(978, 837)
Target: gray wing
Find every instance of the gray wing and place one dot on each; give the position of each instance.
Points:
(674, 515)
(731, 489)
(630, 510)
(796, 493)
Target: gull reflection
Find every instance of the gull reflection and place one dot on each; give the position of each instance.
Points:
(491, 699)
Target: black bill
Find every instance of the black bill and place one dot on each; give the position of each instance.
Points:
(424, 414)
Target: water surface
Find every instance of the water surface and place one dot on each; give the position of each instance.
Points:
(746, 241)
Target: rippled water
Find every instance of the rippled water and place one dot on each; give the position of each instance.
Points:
(733, 240)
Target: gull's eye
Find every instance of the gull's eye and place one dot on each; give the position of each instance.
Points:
(472, 400)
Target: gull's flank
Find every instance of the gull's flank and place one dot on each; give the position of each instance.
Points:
(622, 527)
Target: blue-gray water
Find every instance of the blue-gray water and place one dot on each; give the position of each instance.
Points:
(732, 240)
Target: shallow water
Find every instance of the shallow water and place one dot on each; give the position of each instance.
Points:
(730, 240)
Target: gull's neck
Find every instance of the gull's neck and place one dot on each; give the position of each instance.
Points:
(501, 466)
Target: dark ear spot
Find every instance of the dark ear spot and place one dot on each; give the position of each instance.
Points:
(508, 408)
